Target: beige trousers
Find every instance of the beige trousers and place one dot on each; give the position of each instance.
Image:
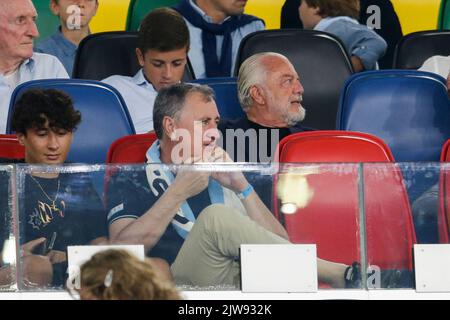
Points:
(210, 255)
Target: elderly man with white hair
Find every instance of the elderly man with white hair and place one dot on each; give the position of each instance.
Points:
(270, 94)
(18, 63)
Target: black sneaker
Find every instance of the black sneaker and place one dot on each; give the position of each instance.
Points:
(400, 279)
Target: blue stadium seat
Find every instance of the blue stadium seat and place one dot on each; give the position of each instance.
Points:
(409, 110)
(104, 116)
(226, 96)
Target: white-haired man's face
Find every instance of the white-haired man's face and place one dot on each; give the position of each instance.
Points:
(283, 92)
(17, 29)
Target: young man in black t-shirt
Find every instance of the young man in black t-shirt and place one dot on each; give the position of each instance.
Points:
(55, 209)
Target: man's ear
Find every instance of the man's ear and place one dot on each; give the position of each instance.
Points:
(96, 8)
(140, 57)
(21, 137)
(54, 8)
(169, 128)
(258, 95)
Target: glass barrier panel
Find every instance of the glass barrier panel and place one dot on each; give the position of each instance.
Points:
(319, 204)
(7, 232)
(191, 218)
(422, 184)
(57, 207)
(404, 204)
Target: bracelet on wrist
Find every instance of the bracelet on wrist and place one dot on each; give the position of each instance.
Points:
(245, 193)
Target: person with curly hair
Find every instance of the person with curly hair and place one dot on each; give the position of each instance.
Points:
(52, 215)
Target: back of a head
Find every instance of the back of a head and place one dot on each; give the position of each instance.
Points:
(37, 106)
(335, 8)
(118, 275)
(163, 29)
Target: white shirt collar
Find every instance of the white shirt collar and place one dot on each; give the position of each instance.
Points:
(140, 80)
(203, 14)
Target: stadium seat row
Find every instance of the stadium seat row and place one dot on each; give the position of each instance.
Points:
(409, 110)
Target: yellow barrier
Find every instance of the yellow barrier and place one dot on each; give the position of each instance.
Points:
(417, 15)
(111, 16)
(268, 10)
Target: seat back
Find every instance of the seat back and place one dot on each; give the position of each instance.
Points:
(131, 149)
(444, 197)
(111, 53)
(331, 219)
(104, 116)
(138, 9)
(413, 49)
(225, 90)
(10, 147)
(320, 60)
(409, 110)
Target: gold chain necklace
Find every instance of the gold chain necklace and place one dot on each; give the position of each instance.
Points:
(45, 193)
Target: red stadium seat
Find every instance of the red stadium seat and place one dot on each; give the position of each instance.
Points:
(10, 147)
(444, 197)
(445, 155)
(128, 149)
(131, 148)
(345, 146)
(332, 218)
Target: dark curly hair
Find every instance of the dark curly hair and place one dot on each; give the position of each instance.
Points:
(37, 106)
(163, 29)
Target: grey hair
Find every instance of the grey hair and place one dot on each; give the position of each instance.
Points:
(252, 72)
(171, 100)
